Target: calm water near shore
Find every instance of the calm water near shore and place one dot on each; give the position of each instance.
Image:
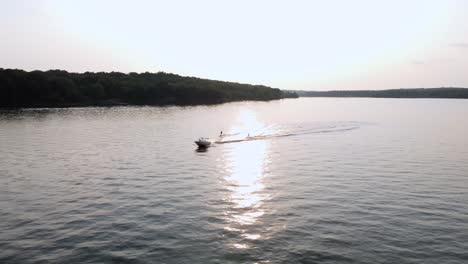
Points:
(309, 180)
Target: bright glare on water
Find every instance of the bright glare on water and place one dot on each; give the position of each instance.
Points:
(309, 180)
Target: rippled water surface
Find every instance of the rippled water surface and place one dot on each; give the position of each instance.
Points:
(292, 181)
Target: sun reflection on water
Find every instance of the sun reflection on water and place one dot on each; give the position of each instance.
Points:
(245, 165)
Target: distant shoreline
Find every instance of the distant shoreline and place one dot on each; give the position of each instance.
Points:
(415, 93)
(57, 88)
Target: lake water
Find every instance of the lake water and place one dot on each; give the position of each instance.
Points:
(309, 180)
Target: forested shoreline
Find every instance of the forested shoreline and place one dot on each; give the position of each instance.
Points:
(446, 92)
(57, 88)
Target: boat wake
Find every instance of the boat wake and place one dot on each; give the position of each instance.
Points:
(277, 131)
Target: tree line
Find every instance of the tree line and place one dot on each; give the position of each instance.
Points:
(446, 92)
(58, 88)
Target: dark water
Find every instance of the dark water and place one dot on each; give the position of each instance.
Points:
(292, 181)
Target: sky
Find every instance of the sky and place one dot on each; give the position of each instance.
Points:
(301, 45)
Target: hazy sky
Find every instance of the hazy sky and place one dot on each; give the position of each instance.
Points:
(312, 45)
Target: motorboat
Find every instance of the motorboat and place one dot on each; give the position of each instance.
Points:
(203, 142)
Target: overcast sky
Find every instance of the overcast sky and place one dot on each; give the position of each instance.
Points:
(311, 45)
